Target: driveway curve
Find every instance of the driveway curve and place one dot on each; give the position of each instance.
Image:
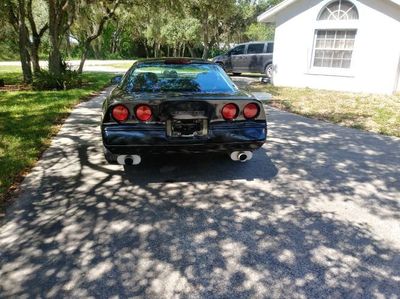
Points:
(314, 214)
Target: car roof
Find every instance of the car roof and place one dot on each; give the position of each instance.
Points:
(174, 60)
(256, 42)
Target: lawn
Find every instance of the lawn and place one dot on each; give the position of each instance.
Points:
(123, 65)
(28, 120)
(374, 113)
(11, 74)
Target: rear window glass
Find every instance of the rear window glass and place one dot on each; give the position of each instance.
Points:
(177, 77)
(255, 48)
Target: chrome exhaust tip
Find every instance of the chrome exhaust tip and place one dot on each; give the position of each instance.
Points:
(241, 156)
(129, 159)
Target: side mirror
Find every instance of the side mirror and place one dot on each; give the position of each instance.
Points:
(116, 79)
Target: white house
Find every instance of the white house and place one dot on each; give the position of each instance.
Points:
(346, 45)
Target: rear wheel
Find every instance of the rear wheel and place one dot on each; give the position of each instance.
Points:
(110, 157)
(269, 69)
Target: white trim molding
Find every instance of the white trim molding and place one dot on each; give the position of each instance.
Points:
(268, 16)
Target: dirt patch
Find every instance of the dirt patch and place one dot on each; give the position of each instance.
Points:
(18, 87)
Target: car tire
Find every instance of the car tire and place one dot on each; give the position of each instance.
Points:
(221, 65)
(269, 70)
(236, 74)
(110, 157)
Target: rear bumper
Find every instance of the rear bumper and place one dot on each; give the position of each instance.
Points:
(152, 138)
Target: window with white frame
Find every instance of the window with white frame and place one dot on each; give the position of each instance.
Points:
(338, 11)
(333, 48)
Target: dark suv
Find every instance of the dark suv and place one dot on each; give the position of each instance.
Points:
(252, 57)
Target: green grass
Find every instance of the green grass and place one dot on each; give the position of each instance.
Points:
(123, 65)
(28, 120)
(370, 112)
(5, 70)
(11, 74)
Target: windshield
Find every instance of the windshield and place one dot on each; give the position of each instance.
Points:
(161, 77)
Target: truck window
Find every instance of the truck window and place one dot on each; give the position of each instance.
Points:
(270, 48)
(239, 50)
(255, 48)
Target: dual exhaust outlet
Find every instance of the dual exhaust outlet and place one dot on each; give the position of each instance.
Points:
(240, 156)
(129, 159)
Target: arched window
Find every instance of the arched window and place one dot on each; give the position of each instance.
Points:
(338, 11)
(333, 48)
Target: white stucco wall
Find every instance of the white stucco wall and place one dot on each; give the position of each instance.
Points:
(375, 60)
(398, 75)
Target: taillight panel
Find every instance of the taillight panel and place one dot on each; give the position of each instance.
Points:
(120, 113)
(251, 110)
(248, 111)
(230, 111)
(143, 112)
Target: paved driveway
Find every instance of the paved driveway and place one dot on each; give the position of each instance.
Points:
(315, 213)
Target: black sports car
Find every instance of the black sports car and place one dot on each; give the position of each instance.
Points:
(179, 105)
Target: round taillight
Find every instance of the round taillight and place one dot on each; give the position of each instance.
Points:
(251, 110)
(230, 111)
(143, 112)
(120, 113)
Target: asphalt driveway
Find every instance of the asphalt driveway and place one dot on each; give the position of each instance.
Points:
(316, 213)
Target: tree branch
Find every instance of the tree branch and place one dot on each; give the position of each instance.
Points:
(103, 20)
(43, 30)
(12, 17)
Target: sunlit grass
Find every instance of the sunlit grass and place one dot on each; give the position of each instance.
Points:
(11, 74)
(370, 112)
(6, 69)
(123, 65)
(28, 119)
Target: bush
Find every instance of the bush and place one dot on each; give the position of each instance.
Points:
(216, 51)
(46, 81)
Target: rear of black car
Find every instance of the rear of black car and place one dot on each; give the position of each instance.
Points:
(165, 106)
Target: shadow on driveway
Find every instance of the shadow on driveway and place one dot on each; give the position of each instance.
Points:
(199, 168)
(314, 214)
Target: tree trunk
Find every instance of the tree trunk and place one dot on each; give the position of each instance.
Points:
(146, 49)
(55, 59)
(29, 50)
(159, 49)
(94, 35)
(23, 41)
(156, 48)
(83, 59)
(183, 50)
(36, 38)
(35, 55)
(16, 18)
(205, 51)
(191, 51)
(67, 44)
(205, 37)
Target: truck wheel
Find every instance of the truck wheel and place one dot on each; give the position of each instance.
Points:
(221, 65)
(269, 70)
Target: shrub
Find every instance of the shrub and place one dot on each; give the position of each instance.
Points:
(46, 81)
